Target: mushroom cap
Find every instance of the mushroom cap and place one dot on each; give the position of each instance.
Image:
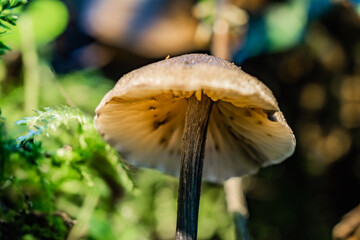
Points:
(168, 28)
(143, 117)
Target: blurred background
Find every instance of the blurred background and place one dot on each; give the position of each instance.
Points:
(72, 52)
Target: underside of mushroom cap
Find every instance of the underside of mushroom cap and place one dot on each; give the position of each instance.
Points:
(143, 117)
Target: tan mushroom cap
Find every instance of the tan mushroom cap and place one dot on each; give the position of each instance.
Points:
(143, 117)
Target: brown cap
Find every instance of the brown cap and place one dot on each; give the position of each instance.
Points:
(143, 117)
(167, 29)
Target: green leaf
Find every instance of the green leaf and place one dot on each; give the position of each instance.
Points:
(6, 16)
(6, 4)
(3, 46)
(49, 19)
(12, 19)
(18, 3)
(4, 26)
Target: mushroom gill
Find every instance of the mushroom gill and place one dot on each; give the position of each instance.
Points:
(148, 133)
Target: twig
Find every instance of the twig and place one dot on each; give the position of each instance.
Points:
(30, 60)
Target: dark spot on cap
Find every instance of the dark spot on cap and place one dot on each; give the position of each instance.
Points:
(163, 142)
(151, 108)
(217, 148)
(259, 123)
(157, 124)
(155, 115)
(247, 113)
(231, 118)
(269, 135)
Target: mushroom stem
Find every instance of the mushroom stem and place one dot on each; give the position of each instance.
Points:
(192, 156)
(237, 207)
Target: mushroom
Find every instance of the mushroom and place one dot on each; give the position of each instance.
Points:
(147, 28)
(187, 100)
